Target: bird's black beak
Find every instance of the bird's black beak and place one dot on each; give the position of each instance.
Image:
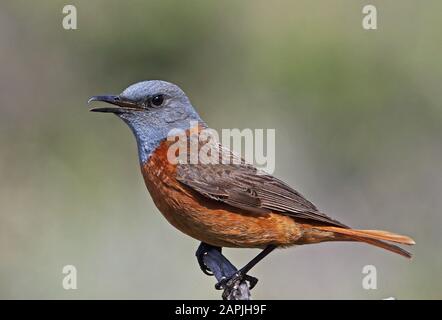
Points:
(121, 105)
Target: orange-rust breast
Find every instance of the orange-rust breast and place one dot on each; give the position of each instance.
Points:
(208, 220)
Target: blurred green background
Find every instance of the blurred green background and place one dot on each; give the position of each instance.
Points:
(358, 121)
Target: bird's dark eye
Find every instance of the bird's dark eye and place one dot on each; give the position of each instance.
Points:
(157, 100)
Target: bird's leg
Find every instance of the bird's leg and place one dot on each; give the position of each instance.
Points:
(212, 262)
(242, 273)
(203, 250)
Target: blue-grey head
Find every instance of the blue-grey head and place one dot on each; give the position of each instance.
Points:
(152, 109)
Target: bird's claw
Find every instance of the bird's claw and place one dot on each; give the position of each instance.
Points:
(202, 265)
(202, 251)
(235, 280)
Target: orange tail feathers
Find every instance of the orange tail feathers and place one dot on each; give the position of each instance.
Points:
(375, 238)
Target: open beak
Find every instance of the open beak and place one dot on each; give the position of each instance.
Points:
(121, 105)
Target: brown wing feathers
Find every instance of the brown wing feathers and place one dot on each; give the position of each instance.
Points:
(242, 186)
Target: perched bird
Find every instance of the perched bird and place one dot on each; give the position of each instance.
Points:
(223, 204)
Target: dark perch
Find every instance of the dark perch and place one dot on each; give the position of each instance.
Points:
(212, 262)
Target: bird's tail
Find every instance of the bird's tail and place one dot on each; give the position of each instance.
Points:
(374, 237)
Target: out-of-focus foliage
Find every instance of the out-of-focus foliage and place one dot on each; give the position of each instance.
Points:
(358, 121)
